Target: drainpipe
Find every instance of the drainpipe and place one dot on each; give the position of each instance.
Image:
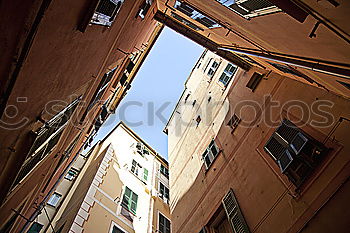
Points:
(23, 55)
(322, 66)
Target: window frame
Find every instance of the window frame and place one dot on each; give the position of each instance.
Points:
(130, 200)
(49, 202)
(209, 153)
(98, 18)
(71, 177)
(227, 73)
(254, 13)
(165, 172)
(163, 195)
(288, 174)
(118, 226)
(158, 222)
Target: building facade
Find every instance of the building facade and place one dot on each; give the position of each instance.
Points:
(310, 37)
(269, 155)
(65, 68)
(119, 186)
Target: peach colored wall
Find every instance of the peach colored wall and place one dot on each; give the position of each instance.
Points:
(265, 199)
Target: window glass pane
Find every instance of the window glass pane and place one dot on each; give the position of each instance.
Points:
(35, 228)
(54, 199)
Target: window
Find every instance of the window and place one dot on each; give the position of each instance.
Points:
(234, 213)
(290, 70)
(116, 229)
(164, 171)
(254, 81)
(164, 224)
(135, 167)
(214, 66)
(196, 15)
(141, 149)
(227, 75)
(144, 8)
(296, 153)
(71, 174)
(130, 200)
(233, 122)
(145, 174)
(106, 12)
(101, 88)
(164, 191)
(210, 154)
(47, 137)
(35, 228)
(185, 21)
(250, 8)
(54, 199)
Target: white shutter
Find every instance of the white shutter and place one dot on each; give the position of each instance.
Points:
(234, 213)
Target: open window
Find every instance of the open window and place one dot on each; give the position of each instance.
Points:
(250, 8)
(46, 139)
(196, 15)
(106, 11)
(210, 154)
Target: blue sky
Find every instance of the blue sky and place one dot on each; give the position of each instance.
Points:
(160, 80)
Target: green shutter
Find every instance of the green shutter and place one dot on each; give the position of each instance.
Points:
(145, 174)
(133, 203)
(130, 200)
(126, 197)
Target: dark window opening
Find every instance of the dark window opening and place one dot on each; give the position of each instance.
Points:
(164, 171)
(164, 224)
(144, 8)
(254, 81)
(233, 122)
(164, 191)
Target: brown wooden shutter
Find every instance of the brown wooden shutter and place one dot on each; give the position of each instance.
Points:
(234, 213)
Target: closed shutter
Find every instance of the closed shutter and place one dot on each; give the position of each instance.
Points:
(234, 213)
(133, 204)
(145, 174)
